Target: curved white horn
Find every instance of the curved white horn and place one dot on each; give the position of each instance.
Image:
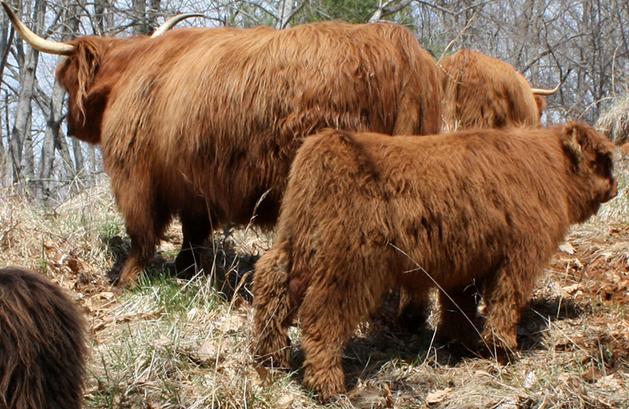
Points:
(38, 43)
(542, 91)
(170, 23)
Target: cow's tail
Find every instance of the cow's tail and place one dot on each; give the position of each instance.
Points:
(273, 308)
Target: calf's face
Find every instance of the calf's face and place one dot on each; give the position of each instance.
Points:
(603, 167)
(591, 154)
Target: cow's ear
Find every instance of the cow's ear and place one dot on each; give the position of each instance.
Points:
(540, 101)
(570, 139)
(88, 59)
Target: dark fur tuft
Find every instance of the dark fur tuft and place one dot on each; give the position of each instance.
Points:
(42, 344)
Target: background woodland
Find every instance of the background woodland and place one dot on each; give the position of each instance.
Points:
(582, 43)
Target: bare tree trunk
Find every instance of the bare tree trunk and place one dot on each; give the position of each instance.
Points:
(581, 85)
(54, 138)
(5, 44)
(100, 7)
(388, 7)
(93, 163)
(52, 134)
(139, 13)
(21, 144)
(5, 171)
(3, 154)
(153, 13)
(286, 10)
(55, 117)
(79, 162)
(524, 27)
(61, 145)
(27, 164)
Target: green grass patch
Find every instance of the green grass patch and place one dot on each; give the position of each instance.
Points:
(175, 296)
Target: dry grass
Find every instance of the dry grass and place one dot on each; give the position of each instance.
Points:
(183, 344)
(615, 122)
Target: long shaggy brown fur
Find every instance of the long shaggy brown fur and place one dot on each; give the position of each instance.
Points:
(482, 91)
(42, 344)
(364, 213)
(203, 122)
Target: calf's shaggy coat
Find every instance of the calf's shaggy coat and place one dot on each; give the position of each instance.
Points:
(42, 344)
(364, 213)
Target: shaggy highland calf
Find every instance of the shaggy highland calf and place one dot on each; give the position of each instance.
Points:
(479, 92)
(42, 344)
(203, 123)
(364, 213)
(482, 91)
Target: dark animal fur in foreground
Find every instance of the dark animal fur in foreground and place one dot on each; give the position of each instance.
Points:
(364, 213)
(42, 344)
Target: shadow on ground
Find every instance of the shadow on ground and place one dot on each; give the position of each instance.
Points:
(383, 343)
(232, 270)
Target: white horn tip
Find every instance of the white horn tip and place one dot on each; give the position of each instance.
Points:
(171, 22)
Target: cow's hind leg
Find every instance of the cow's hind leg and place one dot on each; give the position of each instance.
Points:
(332, 307)
(196, 226)
(273, 309)
(413, 310)
(146, 218)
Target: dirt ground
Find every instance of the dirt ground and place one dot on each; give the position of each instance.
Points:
(171, 343)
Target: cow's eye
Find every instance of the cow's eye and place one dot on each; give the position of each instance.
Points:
(604, 165)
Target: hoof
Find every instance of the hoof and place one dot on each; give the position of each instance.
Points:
(187, 263)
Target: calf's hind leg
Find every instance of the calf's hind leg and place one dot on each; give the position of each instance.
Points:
(273, 310)
(331, 309)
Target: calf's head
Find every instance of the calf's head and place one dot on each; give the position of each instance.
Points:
(591, 156)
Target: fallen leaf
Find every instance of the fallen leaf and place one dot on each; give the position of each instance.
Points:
(530, 380)
(509, 403)
(108, 295)
(207, 353)
(285, 401)
(437, 396)
(591, 375)
(610, 382)
(566, 248)
(569, 289)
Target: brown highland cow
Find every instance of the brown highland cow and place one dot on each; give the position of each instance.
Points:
(364, 213)
(482, 91)
(203, 123)
(42, 344)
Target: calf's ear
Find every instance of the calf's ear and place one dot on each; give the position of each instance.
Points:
(570, 139)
